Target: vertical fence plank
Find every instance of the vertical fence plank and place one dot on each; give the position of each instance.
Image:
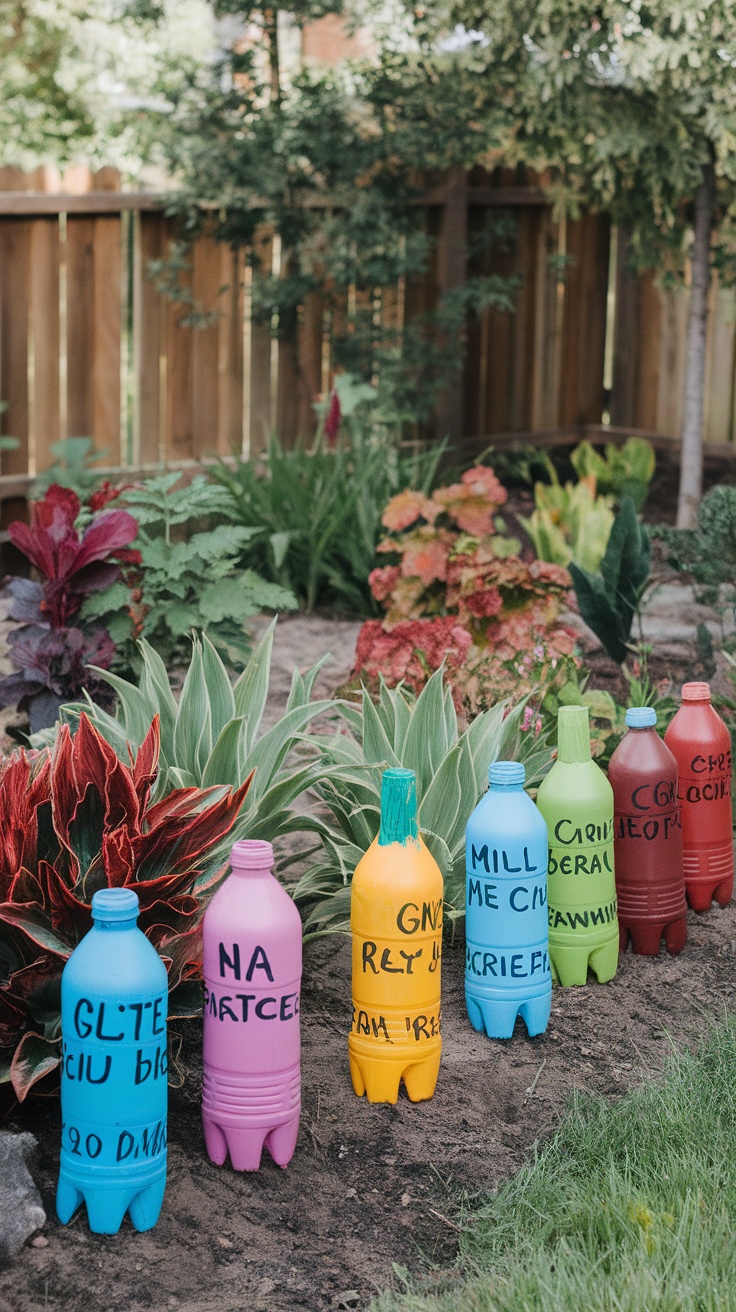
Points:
(178, 356)
(14, 323)
(45, 331)
(259, 364)
(523, 321)
(547, 324)
(80, 325)
(718, 420)
(584, 320)
(625, 336)
(309, 360)
(108, 297)
(149, 436)
(451, 273)
(670, 371)
(230, 353)
(205, 346)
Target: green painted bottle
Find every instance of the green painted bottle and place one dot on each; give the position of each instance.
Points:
(576, 800)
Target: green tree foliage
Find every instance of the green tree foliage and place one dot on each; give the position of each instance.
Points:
(633, 106)
(334, 162)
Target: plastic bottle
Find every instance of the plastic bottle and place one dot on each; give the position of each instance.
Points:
(396, 920)
(507, 968)
(701, 745)
(114, 1072)
(251, 1091)
(647, 839)
(576, 800)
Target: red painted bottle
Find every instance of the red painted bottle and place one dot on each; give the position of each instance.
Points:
(647, 839)
(701, 745)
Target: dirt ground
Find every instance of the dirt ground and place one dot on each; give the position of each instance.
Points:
(370, 1188)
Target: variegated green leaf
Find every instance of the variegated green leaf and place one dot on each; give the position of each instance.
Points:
(251, 689)
(193, 730)
(377, 748)
(219, 691)
(138, 712)
(222, 765)
(425, 742)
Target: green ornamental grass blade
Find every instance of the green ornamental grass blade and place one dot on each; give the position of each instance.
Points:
(425, 743)
(251, 690)
(193, 730)
(219, 691)
(155, 686)
(138, 711)
(222, 765)
(268, 754)
(443, 799)
(377, 749)
(402, 717)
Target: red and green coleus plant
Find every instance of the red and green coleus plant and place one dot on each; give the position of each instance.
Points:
(459, 590)
(77, 819)
(50, 650)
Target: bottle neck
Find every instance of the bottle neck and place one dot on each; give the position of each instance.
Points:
(398, 808)
(573, 735)
(115, 926)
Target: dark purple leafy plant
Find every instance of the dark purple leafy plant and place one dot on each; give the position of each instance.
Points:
(49, 653)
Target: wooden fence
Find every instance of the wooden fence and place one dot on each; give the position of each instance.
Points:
(89, 346)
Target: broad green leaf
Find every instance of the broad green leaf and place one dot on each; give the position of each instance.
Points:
(486, 735)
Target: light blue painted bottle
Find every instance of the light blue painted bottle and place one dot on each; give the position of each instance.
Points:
(507, 970)
(114, 1084)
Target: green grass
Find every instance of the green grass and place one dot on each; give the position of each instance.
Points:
(631, 1207)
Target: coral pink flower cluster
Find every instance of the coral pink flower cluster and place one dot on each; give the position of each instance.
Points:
(457, 588)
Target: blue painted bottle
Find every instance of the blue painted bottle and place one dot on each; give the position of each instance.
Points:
(507, 970)
(114, 1083)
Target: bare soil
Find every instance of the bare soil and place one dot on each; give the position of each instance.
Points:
(370, 1187)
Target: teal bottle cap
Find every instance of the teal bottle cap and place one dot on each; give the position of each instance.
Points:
(398, 807)
(641, 717)
(114, 905)
(506, 774)
(573, 734)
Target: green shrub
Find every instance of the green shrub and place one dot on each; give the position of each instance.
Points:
(189, 576)
(211, 735)
(624, 471)
(569, 523)
(610, 598)
(452, 773)
(313, 513)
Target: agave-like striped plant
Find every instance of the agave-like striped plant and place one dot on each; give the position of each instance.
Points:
(452, 773)
(211, 735)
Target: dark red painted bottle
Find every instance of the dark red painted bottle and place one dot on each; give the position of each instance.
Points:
(701, 745)
(647, 839)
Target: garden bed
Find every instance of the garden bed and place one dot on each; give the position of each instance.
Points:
(370, 1188)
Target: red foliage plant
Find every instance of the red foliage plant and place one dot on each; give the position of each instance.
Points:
(76, 819)
(455, 573)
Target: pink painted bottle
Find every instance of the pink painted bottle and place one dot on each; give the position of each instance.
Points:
(252, 977)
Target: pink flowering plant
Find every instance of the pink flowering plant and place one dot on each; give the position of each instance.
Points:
(456, 589)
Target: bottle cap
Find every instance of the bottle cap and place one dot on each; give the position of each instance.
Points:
(696, 692)
(641, 717)
(506, 774)
(114, 905)
(252, 854)
(573, 734)
(398, 807)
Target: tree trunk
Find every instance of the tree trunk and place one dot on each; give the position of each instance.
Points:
(691, 454)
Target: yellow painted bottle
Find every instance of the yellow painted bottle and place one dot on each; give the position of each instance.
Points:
(396, 922)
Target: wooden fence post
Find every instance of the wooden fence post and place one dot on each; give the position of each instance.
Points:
(451, 272)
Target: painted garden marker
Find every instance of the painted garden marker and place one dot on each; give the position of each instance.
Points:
(114, 1076)
(396, 921)
(576, 800)
(507, 970)
(701, 745)
(251, 1090)
(647, 839)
